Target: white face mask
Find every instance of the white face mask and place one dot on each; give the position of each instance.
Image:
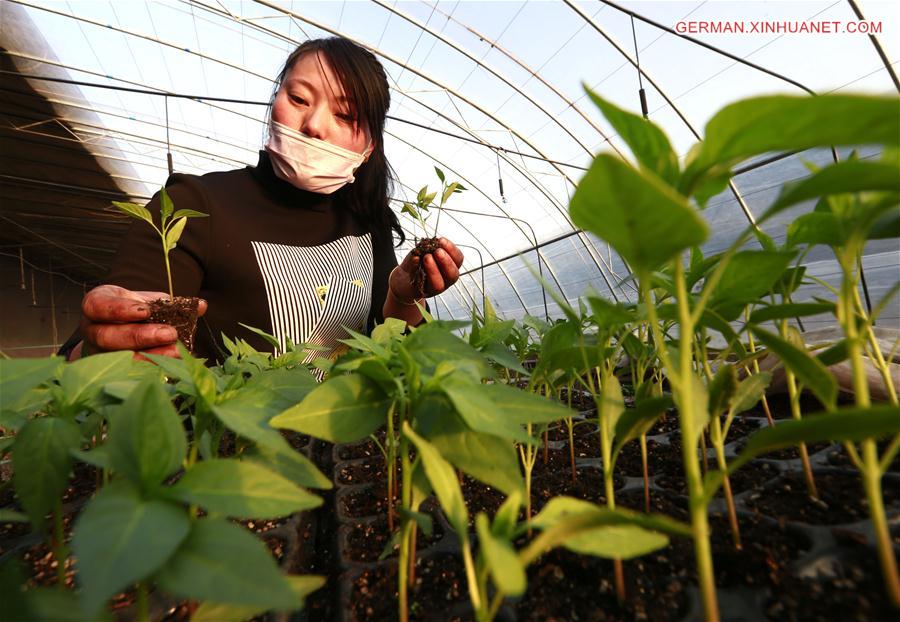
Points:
(309, 163)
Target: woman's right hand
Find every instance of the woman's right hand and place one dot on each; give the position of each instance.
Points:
(111, 320)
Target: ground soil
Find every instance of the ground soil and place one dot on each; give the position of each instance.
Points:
(440, 583)
(841, 499)
(368, 501)
(752, 475)
(366, 540)
(180, 313)
(854, 593)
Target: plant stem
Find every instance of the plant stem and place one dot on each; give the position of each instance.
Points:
(794, 395)
(719, 443)
(59, 545)
(390, 463)
(143, 606)
(168, 267)
(871, 473)
(646, 473)
(403, 561)
(687, 418)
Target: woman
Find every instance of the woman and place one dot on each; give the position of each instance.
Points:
(299, 245)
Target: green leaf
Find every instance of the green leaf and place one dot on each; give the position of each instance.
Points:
(166, 207)
(611, 405)
(85, 378)
(11, 516)
(120, 539)
(485, 457)
(610, 315)
(448, 191)
(647, 142)
(174, 234)
(146, 439)
(501, 559)
(301, 585)
(134, 210)
(439, 173)
(748, 276)
(841, 177)
(188, 213)
(806, 367)
(432, 344)
(637, 421)
(816, 228)
(423, 521)
(240, 490)
(19, 376)
(846, 424)
(791, 123)
(501, 355)
(473, 404)
(41, 464)
(749, 392)
(443, 481)
(790, 310)
(504, 525)
(270, 339)
(343, 409)
(834, 354)
(699, 408)
(722, 389)
(522, 407)
(55, 605)
(289, 463)
(646, 221)
(224, 563)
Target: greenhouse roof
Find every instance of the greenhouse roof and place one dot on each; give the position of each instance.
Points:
(485, 91)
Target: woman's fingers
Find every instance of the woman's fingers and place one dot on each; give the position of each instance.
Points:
(451, 249)
(433, 273)
(171, 351)
(448, 267)
(112, 337)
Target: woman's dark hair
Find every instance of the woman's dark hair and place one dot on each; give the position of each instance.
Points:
(366, 86)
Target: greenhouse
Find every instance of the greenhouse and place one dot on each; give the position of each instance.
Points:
(449, 310)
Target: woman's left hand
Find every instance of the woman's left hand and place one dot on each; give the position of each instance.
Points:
(441, 272)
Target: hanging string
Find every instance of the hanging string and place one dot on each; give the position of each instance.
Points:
(637, 58)
(500, 177)
(21, 269)
(33, 295)
(168, 144)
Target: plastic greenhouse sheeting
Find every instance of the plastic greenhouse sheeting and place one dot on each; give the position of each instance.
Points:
(483, 90)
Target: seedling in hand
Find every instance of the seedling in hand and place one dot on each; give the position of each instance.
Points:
(178, 312)
(427, 245)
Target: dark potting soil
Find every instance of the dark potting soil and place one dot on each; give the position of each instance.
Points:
(370, 501)
(741, 427)
(780, 406)
(440, 583)
(423, 247)
(837, 456)
(566, 586)
(581, 400)
(480, 497)
(41, 566)
(82, 483)
(588, 486)
(661, 502)
(366, 449)
(277, 547)
(366, 540)
(854, 593)
(665, 424)
(557, 459)
(295, 439)
(767, 550)
(788, 453)
(560, 432)
(841, 499)
(362, 472)
(752, 475)
(264, 526)
(661, 459)
(180, 313)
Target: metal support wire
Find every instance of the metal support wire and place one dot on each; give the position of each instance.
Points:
(637, 57)
(483, 290)
(168, 144)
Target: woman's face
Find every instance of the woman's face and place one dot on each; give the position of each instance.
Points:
(311, 100)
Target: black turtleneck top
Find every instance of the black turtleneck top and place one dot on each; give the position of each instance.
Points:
(289, 262)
